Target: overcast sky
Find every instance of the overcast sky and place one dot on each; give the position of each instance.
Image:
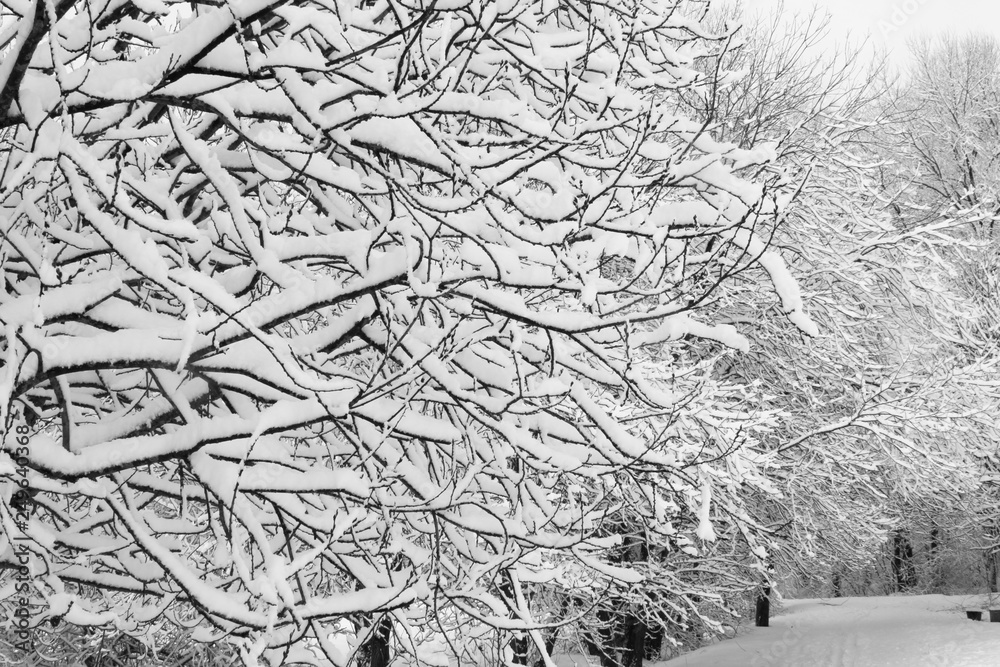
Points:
(890, 22)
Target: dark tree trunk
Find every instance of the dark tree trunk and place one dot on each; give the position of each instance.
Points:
(623, 639)
(634, 643)
(991, 570)
(904, 574)
(762, 618)
(937, 581)
(991, 557)
(375, 652)
(553, 634)
(603, 646)
(550, 646)
(519, 644)
(654, 642)
(837, 585)
(866, 580)
(910, 570)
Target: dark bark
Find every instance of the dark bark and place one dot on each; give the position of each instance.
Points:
(519, 647)
(837, 588)
(601, 644)
(550, 644)
(762, 617)
(552, 635)
(621, 633)
(991, 557)
(933, 549)
(375, 652)
(903, 572)
(24, 52)
(632, 639)
(991, 570)
(634, 643)
(654, 641)
(519, 644)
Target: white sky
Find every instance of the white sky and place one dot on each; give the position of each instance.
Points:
(891, 22)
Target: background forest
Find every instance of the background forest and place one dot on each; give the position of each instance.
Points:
(370, 332)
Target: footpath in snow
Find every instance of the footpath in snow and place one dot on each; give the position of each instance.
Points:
(918, 631)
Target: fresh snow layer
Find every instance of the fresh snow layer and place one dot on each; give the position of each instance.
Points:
(923, 630)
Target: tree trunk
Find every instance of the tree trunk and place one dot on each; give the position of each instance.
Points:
(603, 647)
(519, 644)
(837, 585)
(633, 643)
(550, 646)
(904, 574)
(654, 641)
(762, 619)
(553, 635)
(991, 557)
(991, 570)
(624, 632)
(375, 652)
(937, 578)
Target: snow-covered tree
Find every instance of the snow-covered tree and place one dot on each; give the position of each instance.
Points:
(327, 325)
(949, 111)
(942, 165)
(880, 413)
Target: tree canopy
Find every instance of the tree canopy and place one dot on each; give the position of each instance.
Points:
(341, 329)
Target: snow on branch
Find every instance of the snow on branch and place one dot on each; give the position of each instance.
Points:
(334, 310)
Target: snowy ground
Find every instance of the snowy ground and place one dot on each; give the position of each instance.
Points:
(924, 631)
